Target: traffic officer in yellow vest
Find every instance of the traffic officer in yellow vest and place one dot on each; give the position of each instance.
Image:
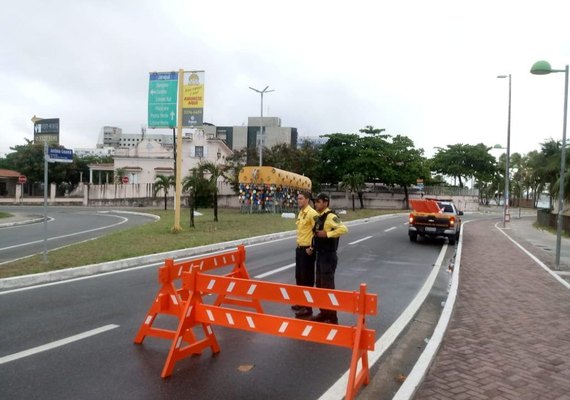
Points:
(304, 254)
(328, 229)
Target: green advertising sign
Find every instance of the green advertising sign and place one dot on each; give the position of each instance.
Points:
(162, 96)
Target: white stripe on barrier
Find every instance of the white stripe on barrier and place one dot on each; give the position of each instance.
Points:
(209, 329)
(308, 296)
(284, 293)
(210, 315)
(180, 271)
(178, 342)
(251, 289)
(215, 262)
(225, 262)
(201, 265)
(334, 301)
(230, 287)
(283, 327)
(332, 334)
(211, 284)
(250, 321)
(189, 311)
(307, 330)
(230, 319)
(174, 299)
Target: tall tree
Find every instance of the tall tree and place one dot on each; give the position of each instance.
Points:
(464, 161)
(406, 164)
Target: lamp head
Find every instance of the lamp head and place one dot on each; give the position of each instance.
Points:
(541, 68)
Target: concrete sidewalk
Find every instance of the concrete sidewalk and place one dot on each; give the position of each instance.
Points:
(509, 334)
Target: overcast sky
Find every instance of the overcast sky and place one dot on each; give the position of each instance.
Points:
(424, 69)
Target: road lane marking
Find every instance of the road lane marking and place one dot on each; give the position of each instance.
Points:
(275, 271)
(57, 343)
(68, 235)
(360, 240)
(390, 229)
(338, 389)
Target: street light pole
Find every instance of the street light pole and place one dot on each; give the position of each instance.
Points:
(261, 92)
(506, 201)
(544, 68)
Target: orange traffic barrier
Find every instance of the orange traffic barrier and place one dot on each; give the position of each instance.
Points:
(170, 298)
(196, 312)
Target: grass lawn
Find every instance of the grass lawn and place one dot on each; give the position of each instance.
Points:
(156, 237)
(4, 214)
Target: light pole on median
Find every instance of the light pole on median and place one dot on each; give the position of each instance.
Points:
(261, 92)
(544, 68)
(506, 205)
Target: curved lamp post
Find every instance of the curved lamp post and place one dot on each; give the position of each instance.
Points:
(544, 68)
(506, 205)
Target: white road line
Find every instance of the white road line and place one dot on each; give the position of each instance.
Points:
(535, 259)
(57, 343)
(338, 389)
(360, 240)
(260, 276)
(389, 229)
(70, 234)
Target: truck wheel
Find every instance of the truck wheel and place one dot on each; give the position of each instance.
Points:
(451, 240)
(413, 237)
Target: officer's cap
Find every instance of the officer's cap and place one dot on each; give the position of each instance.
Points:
(323, 197)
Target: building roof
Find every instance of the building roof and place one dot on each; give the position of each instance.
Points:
(8, 173)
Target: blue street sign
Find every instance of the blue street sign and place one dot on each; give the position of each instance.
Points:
(60, 155)
(162, 97)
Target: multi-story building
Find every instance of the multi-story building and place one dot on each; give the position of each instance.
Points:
(239, 137)
(111, 136)
(236, 137)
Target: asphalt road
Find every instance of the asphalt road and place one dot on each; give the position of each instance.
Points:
(108, 309)
(66, 225)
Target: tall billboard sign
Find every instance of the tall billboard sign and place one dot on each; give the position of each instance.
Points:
(46, 130)
(193, 99)
(162, 97)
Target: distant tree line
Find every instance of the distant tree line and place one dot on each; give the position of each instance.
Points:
(349, 160)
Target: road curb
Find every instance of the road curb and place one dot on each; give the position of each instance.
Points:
(421, 367)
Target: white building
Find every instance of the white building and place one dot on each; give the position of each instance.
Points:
(149, 158)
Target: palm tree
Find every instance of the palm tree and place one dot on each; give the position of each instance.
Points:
(354, 183)
(191, 184)
(215, 171)
(163, 182)
(119, 173)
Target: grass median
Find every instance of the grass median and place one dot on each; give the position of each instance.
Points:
(156, 237)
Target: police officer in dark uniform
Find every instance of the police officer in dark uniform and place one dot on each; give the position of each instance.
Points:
(328, 229)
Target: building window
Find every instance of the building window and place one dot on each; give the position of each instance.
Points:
(199, 151)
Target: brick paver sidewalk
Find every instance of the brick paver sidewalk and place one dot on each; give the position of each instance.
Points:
(509, 336)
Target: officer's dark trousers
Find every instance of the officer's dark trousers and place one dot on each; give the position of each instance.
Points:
(326, 267)
(304, 267)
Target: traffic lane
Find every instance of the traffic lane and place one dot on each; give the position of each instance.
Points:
(54, 303)
(64, 228)
(124, 298)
